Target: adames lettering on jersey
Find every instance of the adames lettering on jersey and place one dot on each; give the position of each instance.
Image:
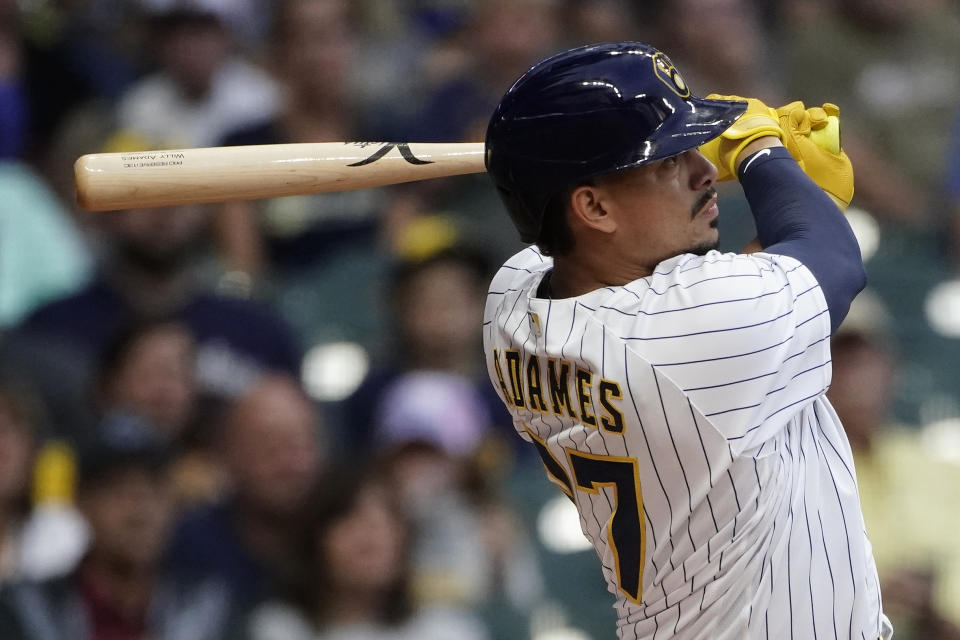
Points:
(559, 387)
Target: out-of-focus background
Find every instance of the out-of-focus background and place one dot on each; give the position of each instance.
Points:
(271, 419)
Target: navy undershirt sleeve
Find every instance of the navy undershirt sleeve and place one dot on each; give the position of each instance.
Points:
(796, 218)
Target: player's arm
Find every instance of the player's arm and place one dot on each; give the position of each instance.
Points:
(795, 194)
(795, 217)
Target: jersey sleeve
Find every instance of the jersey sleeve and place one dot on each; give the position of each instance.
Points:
(745, 337)
(509, 279)
(527, 261)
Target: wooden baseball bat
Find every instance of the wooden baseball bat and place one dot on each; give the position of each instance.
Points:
(111, 181)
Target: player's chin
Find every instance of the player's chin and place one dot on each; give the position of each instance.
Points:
(707, 244)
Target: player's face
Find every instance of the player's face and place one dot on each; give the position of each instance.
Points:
(667, 207)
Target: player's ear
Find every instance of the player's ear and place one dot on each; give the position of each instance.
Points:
(587, 208)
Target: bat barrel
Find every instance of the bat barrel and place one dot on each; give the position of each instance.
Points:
(112, 181)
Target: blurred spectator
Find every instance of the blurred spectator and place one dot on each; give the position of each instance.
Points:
(908, 490)
(271, 448)
(145, 373)
(247, 20)
(594, 21)
(55, 534)
(898, 65)
(201, 89)
(436, 302)
(415, 405)
(148, 271)
(16, 455)
(314, 56)
(405, 47)
(502, 39)
(148, 369)
(71, 54)
(740, 67)
(354, 583)
(42, 254)
(119, 591)
(41, 533)
(470, 550)
(314, 249)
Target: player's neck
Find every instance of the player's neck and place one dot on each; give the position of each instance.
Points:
(577, 275)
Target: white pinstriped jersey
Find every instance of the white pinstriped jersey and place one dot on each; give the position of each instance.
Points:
(685, 415)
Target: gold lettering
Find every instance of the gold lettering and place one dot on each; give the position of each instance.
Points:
(515, 371)
(534, 387)
(559, 391)
(584, 391)
(612, 420)
(499, 371)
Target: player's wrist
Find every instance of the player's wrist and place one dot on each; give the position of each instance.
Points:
(763, 142)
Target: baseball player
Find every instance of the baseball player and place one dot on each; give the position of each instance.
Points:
(674, 393)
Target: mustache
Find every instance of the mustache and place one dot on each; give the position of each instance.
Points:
(702, 201)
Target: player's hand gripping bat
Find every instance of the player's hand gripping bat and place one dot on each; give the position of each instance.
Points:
(111, 181)
(812, 135)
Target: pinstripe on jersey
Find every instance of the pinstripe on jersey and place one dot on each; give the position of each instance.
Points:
(685, 415)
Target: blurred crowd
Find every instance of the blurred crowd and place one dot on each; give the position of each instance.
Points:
(271, 420)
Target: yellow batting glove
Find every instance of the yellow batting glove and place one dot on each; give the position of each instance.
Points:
(757, 121)
(813, 138)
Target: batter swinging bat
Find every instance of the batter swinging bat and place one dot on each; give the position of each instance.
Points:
(111, 181)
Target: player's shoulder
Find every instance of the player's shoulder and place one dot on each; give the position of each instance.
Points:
(529, 258)
(721, 282)
(687, 269)
(715, 275)
(521, 271)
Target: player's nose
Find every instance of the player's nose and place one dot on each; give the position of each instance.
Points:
(702, 172)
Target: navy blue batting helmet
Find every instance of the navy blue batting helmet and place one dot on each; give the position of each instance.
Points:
(590, 111)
